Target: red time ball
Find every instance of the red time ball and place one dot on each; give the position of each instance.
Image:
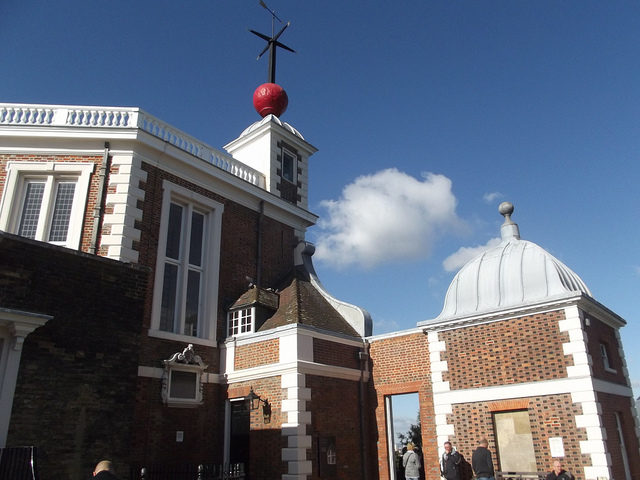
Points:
(270, 98)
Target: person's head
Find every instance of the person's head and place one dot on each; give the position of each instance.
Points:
(484, 442)
(103, 466)
(557, 467)
(409, 446)
(447, 447)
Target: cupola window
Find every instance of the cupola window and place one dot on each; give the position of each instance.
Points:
(288, 165)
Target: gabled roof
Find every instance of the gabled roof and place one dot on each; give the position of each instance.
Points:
(301, 303)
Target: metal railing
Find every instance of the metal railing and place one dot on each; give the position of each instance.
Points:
(521, 475)
(18, 463)
(233, 471)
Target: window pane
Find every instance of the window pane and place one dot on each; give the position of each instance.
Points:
(183, 384)
(195, 245)
(287, 166)
(174, 231)
(193, 304)
(31, 210)
(168, 308)
(62, 212)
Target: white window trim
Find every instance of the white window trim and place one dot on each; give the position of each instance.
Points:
(253, 322)
(604, 352)
(18, 172)
(175, 363)
(211, 258)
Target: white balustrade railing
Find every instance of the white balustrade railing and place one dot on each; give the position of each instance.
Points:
(113, 117)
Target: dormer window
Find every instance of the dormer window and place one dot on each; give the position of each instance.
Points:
(241, 321)
(182, 379)
(251, 310)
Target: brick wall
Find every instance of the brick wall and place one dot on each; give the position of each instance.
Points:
(238, 245)
(335, 411)
(506, 352)
(265, 439)
(333, 353)
(256, 354)
(154, 434)
(401, 365)
(610, 405)
(73, 396)
(600, 333)
(549, 416)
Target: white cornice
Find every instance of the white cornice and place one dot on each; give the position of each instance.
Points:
(290, 330)
(300, 367)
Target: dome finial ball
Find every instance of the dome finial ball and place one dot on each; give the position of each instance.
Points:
(506, 209)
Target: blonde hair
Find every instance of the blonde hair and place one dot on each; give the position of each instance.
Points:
(409, 446)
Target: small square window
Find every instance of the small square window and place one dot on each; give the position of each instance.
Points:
(183, 384)
(241, 321)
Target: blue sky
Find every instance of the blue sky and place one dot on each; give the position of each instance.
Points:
(458, 105)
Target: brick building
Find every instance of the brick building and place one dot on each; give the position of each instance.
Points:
(160, 306)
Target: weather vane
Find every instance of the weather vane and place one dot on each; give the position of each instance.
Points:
(272, 42)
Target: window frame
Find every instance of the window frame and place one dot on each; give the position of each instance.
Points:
(180, 363)
(294, 165)
(20, 174)
(606, 357)
(252, 322)
(208, 299)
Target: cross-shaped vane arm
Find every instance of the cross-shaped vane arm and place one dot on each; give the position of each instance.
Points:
(272, 44)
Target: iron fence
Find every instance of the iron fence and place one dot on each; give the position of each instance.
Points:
(521, 475)
(233, 471)
(18, 463)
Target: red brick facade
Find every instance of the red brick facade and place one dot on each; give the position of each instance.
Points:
(91, 377)
(401, 365)
(506, 352)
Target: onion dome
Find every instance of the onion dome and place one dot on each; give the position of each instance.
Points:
(515, 273)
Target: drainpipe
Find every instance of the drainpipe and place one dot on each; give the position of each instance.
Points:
(98, 208)
(259, 244)
(363, 355)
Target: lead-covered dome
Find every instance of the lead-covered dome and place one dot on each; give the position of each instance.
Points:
(514, 273)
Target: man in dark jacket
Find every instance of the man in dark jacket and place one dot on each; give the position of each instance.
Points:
(481, 461)
(104, 471)
(450, 463)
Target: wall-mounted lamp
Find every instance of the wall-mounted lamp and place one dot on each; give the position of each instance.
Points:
(254, 402)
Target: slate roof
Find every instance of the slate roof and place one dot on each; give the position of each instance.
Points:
(301, 303)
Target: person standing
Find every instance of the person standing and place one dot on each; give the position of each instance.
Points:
(481, 461)
(558, 472)
(411, 463)
(450, 463)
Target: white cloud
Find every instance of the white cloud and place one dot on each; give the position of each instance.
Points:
(385, 217)
(491, 197)
(464, 254)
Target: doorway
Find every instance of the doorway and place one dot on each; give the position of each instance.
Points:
(403, 426)
(239, 427)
